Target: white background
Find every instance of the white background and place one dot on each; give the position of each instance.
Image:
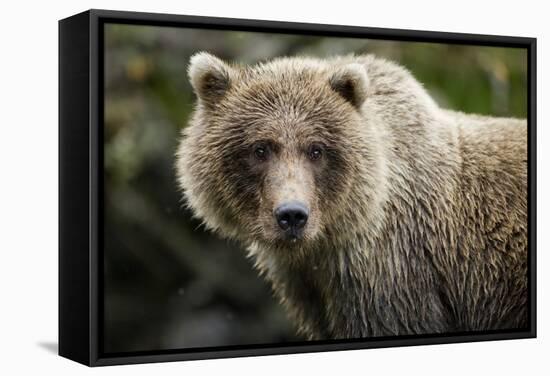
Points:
(28, 186)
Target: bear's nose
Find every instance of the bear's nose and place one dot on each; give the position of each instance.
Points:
(292, 217)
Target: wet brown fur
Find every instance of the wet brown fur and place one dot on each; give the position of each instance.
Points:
(418, 214)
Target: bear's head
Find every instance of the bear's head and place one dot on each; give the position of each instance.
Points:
(279, 154)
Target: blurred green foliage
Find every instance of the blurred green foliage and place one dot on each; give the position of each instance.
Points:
(168, 283)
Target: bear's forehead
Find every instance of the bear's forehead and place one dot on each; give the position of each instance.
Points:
(284, 100)
(282, 86)
(284, 111)
(285, 96)
(283, 74)
(287, 66)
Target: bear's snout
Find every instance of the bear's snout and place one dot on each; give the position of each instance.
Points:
(292, 217)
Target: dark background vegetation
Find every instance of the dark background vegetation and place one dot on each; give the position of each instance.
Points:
(168, 283)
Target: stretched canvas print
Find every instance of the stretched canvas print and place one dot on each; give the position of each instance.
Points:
(257, 188)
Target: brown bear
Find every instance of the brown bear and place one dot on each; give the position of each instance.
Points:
(371, 210)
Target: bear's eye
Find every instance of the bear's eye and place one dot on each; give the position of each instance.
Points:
(261, 152)
(315, 152)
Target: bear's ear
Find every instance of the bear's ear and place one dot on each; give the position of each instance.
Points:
(351, 82)
(209, 76)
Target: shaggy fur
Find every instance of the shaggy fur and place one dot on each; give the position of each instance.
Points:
(418, 215)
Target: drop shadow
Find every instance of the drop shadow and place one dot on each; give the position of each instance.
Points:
(51, 347)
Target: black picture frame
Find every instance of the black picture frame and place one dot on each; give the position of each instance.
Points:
(81, 181)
